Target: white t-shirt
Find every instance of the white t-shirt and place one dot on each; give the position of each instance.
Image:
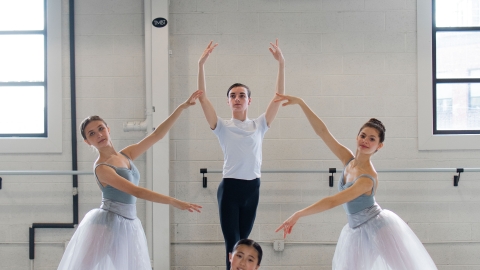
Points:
(241, 143)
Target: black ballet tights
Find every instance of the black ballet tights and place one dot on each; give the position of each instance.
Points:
(237, 206)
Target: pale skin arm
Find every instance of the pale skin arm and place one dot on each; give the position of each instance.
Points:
(135, 150)
(110, 177)
(361, 186)
(273, 107)
(207, 106)
(343, 153)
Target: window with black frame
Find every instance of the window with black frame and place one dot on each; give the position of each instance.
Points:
(23, 81)
(456, 66)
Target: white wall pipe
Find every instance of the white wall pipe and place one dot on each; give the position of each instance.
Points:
(149, 124)
(157, 94)
(135, 126)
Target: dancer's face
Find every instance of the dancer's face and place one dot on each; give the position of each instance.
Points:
(244, 258)
(368, 141)
(238, 99)
(98, 134)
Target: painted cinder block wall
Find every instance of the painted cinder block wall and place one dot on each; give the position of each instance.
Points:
(110, 72)
(351, 60)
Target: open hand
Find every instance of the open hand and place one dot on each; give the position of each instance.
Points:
(192, 100)
(186, 206)
(288, 224)
(291, 100)
(276, 52)
(207, 52)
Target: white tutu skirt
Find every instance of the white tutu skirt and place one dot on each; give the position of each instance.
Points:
(106, 240)
(385, 242)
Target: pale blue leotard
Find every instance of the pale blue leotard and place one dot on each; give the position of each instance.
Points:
(362, 208)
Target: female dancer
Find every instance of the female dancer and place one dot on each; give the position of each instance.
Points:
(112, 237)
(373, 238)
(241, 142)
(247, 255)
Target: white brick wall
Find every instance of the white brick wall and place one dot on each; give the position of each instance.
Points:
(349, 59)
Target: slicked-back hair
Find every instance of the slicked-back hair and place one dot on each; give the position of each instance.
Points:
(250, 243)
(376, 124)
(239, 85)
(87, 121)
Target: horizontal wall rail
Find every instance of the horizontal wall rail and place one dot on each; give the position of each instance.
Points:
(45, 172)
(379, 170)
(310, 242)
(456, 178)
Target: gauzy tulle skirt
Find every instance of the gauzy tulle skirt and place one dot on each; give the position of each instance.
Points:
(111, 237)
(384, 242)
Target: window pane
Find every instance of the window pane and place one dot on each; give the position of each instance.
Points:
(457, 13)
(21, 15)
(457, 54)
(22, 109)
(455, 109)
(22, 58)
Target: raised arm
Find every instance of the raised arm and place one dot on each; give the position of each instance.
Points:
(361, 186)
(343, 153)
(108, 176)
(135, 150)
(272, 108)
(207, 106)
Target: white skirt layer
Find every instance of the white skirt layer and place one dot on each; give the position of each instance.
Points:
(385, 242)
(105, 240)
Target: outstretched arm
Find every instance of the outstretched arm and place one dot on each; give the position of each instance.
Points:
(343, 153)
(135, 150)
(108, 176)
(361, 186)
(272, 108)
(207, 106)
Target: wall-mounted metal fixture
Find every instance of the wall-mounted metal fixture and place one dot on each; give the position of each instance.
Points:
(204, 178)
(330, 178)
(456, 178)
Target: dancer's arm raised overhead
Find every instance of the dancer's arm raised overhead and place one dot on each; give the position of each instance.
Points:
(273, 107)
(207, 106)
(343, 153)
(135, 150)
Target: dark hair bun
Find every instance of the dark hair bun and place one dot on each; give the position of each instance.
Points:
(377, 122)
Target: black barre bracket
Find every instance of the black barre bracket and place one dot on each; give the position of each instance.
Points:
(0, 182)
(456, 178)
(204, 178)
(330, 177)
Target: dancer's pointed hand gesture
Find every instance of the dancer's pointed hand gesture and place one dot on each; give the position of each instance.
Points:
(288, 224)
(207, 52)
(192, 100)
(276, 52)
